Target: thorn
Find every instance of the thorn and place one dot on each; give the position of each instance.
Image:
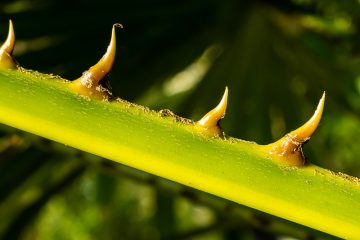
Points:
(289, 147)
(8, 45)
(210, 122)
(91, 83)
(6, 50)
(304, 132)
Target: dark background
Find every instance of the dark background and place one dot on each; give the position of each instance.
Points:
(276, 57)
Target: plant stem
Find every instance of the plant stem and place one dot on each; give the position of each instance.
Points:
(229, 168)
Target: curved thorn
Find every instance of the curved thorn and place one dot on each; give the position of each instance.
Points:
(289, 147)
(6, 50)
(212, 118)
(102, 68)
(88, 83)
(8, 45)
(304, 132)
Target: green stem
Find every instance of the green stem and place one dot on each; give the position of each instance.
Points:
(232, 169)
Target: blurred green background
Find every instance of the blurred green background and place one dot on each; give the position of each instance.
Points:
(276, 57)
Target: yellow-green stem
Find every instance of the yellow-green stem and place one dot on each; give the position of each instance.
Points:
(232, 169)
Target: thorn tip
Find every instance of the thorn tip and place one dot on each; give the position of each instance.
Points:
(89, 83)
(304, 132)
(6, 50)
(289, 147)
(210, 122)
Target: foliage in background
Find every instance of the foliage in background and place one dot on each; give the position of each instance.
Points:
(276, 57)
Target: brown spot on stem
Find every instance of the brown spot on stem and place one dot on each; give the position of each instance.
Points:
(176, 118)
(348, 177)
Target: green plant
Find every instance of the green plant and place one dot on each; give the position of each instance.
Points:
(197, 155)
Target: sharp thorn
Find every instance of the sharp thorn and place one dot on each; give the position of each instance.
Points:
(303, 133)
(210, 122)
(289, 147)
(89, 83)
(6, 59)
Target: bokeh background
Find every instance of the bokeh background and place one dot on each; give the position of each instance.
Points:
(276, 56)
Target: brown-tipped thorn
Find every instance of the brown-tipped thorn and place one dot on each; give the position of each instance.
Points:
(289, 147)
(6, 50)
(93, 81)
(210, 122)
